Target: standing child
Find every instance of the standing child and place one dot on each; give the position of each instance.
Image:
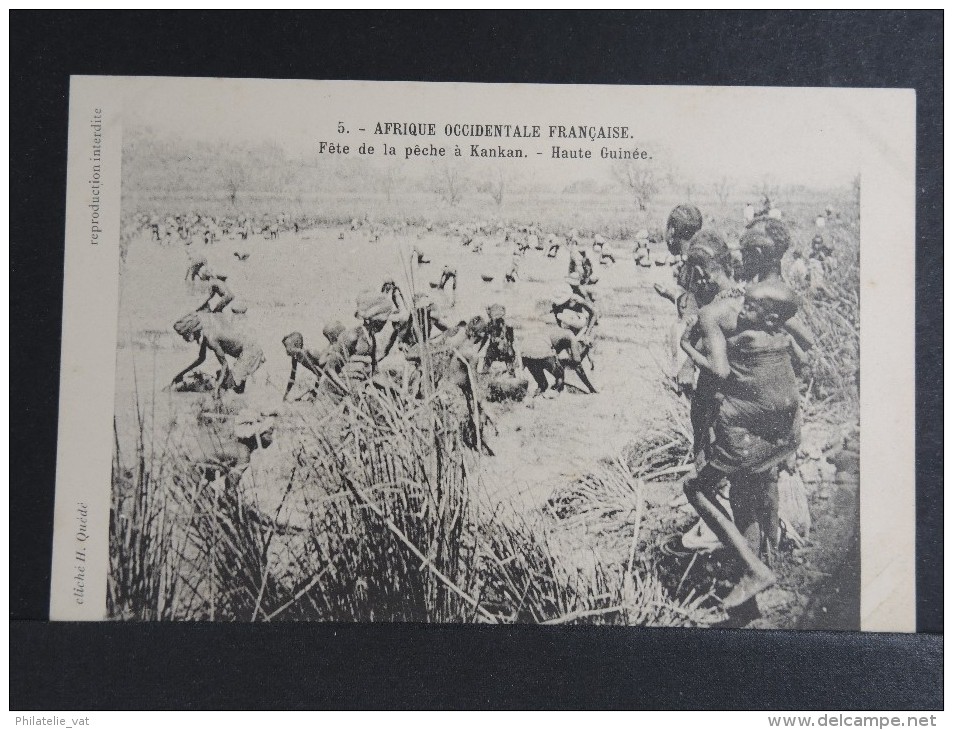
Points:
(707, 276)
(683, 224)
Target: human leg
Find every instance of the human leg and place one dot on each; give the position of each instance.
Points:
(245, 366)
(537, 368)
(577, 368)
(757, 576)
(555, 367)
(746, 500)
(701, 412)
(228, 379)
(754, 504)
(768, 516)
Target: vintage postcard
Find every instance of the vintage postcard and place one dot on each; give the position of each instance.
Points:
(391, 351)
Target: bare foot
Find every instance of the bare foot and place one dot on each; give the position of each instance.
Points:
(750, 585)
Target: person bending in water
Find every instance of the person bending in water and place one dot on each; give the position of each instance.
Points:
(355, 354)
(499, 340)
(217, 452)
(196, 264)
(211, 332)
(457, 383)
(217, 288)
(538, 355)
(571, 350)
(448, 277)
(553, 352)
(576, 311)
(311, 360)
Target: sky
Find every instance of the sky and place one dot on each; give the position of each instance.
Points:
(811, 137)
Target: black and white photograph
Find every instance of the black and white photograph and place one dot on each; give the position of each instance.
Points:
(497, 354)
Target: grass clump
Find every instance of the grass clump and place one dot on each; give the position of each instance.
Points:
(370, 518)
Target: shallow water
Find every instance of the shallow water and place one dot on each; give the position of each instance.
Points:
(303, 282)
